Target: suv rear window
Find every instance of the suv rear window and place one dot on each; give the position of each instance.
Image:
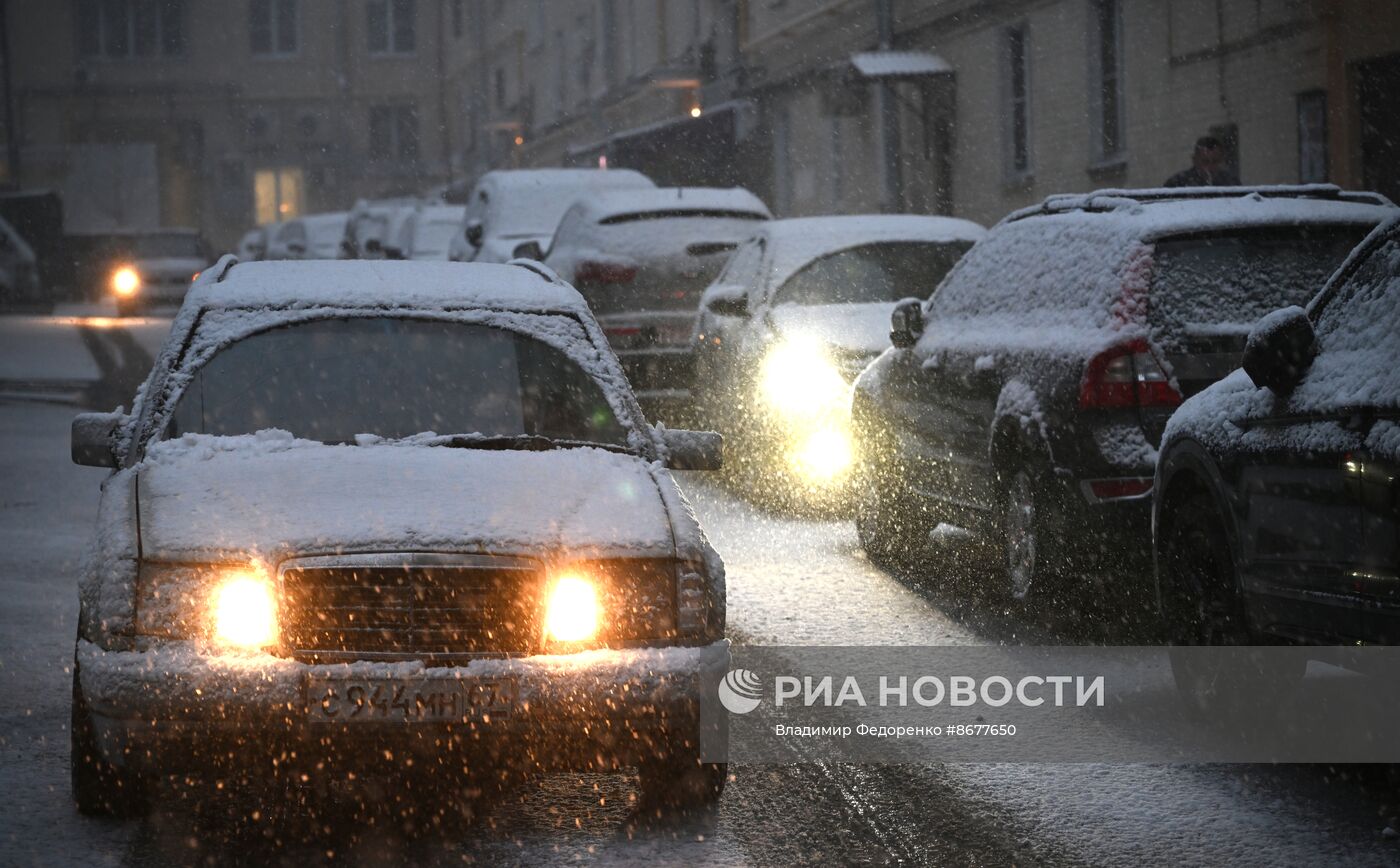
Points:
(1206, 285)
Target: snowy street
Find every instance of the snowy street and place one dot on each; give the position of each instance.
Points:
(791, 581)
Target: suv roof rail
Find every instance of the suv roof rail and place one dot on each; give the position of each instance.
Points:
(537, 267)
(224, 266)
(1114, 199)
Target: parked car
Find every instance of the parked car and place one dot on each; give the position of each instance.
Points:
(641, 258)
(385, 501)
(369, 224)
(142, 270)
(425, 232)
(253, 245)
(19, 270)
(1026, 398)
(1276, 504)
(509, 207)
(315, 236)
(802, 307)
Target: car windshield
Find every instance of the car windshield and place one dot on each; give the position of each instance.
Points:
(333, 379)
(174, 246)
(434, 237)
(883, 272)
(1238, 276)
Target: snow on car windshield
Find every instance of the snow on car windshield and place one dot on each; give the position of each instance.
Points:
(883, 272)
(434, 237)
(333, 379)
(1241, 275)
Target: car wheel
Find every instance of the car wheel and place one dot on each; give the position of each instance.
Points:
(1022, 533)
(100, 789)
(1205, 608)
(888, 526)
(682, 783)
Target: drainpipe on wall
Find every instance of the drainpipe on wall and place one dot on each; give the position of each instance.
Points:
(888, 107)
(11, 132)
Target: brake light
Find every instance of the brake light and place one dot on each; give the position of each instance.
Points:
(603, 274)
(1127, 375)
(1117, 489)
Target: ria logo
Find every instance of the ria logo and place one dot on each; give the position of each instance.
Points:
(739, 692)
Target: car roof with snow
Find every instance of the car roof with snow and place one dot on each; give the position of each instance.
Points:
(386, 284)
(724, 201)
(1155, 213)
(796, 241)
(506, 179)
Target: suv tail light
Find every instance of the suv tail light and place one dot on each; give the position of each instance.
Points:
(603, 274)
(1127, 375)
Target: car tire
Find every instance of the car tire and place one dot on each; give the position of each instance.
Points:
(888, 524)
(1026, 565)
(682, 783)
(1204, 607)
(100, 789)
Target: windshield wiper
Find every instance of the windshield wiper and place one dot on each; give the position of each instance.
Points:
(526, 442)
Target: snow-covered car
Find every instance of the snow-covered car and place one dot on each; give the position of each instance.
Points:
(150, 269)
(1276, 508)
(509, 207)
(19, 269)
(315, 236)
(425, 232)
(801, 308)
(253, 245)
(1025, 399)
(393, 517)
(369, 224)
(642, 258)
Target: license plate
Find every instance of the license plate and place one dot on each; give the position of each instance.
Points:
(369, 700)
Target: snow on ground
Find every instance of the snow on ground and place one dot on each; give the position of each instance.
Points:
(799, 582)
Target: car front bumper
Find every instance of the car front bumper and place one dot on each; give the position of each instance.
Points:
(176, 709)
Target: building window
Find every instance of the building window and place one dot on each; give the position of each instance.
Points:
(498, 85)
(393, 132)
(392, 26)
(278, 194)
(1108, 67)
(458, 15)
(123, 29)
(1312, 137)
(272, 26)
(1018, 108)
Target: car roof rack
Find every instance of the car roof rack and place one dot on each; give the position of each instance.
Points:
(224, 266)
(1115, 199)
(537, 267)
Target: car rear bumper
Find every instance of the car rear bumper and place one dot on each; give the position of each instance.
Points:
(176, 710)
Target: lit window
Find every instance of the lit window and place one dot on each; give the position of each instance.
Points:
(278, 194)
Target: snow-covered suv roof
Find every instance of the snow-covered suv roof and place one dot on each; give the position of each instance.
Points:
(798, 240)
(382, 283)
(618, 203)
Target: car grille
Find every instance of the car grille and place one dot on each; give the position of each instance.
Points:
(409, 607)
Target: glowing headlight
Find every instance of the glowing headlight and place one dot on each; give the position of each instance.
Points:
(798, 380)
(126, 280)
(572, 612)
(245, 611)
(822, 456)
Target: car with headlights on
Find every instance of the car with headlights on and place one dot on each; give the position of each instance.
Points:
(1276, 504)
(642, 258)
(373, 519)
(799, 310)
(142, 270)
(1025, 399)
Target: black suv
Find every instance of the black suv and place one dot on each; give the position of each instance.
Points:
(1276, 513)
(1026, 397)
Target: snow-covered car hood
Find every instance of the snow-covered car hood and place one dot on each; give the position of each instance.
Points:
(862, 329)
(269, 496)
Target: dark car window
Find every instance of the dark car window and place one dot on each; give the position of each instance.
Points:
(882, 272)
(1363, 318)
(1237, 277)
(332, 379)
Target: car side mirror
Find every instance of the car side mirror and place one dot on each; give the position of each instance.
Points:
(296, 247)
(94, 436)
(736, 305)
(907, 323)
(474, 232)
(1280, 349)
(692, 450)
(528, 250)
(375, 246)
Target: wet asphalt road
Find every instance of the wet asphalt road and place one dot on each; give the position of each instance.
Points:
(793, 580)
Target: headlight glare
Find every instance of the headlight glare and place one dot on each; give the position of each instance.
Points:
(572, 609)
(823, 456)
(799, 381)
(245, 611)
(126, 280)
